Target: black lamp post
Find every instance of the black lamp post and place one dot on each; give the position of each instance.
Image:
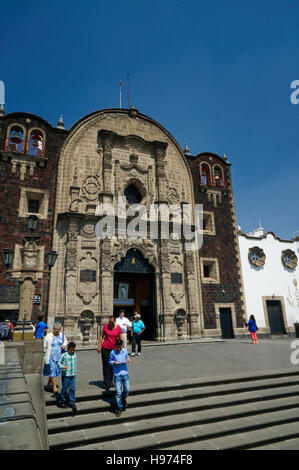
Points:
(32, 222)
(7, 256)
(52, 255)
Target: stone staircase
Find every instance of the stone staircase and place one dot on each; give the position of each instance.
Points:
(251, 412)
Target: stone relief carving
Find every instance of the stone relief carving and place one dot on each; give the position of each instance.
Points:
(120, 247)
(88, 229)
(86, 321)
(91, 188)
(180, 317)
(165, 265)
(177, 288)
(190, 263)
(30, 252)
(71, 251)
(172, 196)
(87, 278)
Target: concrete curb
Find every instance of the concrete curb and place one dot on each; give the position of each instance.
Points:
(146, 344)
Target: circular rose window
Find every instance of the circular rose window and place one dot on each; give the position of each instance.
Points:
(132, 195)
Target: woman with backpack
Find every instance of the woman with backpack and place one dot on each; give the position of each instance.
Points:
(6, 331)
(252, 328)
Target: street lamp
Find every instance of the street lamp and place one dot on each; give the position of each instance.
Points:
(52, 255)
(32, 222)
(7, 256)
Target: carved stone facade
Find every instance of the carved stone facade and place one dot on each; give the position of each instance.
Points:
(106, 153)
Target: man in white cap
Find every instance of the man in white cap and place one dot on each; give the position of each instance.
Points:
(124, 323)
(137, 328)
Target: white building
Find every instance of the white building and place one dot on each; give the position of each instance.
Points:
(271, 281)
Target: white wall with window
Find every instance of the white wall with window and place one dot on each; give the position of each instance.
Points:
(271, 280)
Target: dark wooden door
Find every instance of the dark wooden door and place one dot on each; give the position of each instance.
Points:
(275, 316)
(226, 323)
(141, 296)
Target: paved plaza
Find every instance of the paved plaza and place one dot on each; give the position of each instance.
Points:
(175, 363)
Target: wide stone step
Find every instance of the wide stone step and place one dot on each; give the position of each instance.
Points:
(244, 434)
(170, 402)
(219, 386)
(268, 438)
(143, 397)
(101, 429)
(211, 405)
(289, 444)
(194, 415)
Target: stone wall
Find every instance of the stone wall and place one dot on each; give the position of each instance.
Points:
(22, 175)
(220, 244)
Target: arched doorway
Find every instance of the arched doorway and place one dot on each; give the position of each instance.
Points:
(134, 287)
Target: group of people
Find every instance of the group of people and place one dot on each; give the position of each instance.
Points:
(7, 329)
(60, 358)
(112, 346)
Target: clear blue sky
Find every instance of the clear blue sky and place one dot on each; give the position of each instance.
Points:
(216, 74)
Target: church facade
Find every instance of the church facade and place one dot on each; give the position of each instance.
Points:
(80, 178)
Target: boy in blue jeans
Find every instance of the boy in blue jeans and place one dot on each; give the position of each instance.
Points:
(119, 360)
(68, 364)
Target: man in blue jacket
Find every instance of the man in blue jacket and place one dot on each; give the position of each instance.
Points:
(119, 360)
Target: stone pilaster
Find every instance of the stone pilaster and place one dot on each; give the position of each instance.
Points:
(165, 280)
(71, 264)
(27, 289)
(106, 282)
(107, 143)
(192, 294)
(160, 153)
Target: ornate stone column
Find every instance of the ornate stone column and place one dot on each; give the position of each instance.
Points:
(160, 153)
(107, 138)
(192, 294)
(27, 289)
(71, 264)
(106, 281)
(165, 283)
(29, 254)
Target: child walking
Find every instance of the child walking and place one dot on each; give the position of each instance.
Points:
(119, 360)
(68, 364)
(252, 328)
